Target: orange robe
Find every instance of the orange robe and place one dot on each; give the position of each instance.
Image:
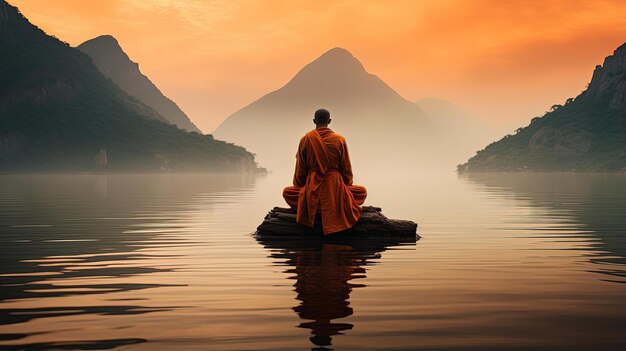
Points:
(322, 183)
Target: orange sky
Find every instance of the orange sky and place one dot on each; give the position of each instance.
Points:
(504, 61)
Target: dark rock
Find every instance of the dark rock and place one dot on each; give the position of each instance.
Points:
(281, 222)
(608, 79)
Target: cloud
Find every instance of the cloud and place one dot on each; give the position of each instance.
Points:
(200, 15)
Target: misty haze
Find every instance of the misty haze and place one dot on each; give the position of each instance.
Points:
(240, 175)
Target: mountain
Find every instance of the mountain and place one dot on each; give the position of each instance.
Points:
(114, 63)
(381, 127)
(58, 112)
(587, 133)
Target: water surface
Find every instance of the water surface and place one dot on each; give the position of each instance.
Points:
(162, 262)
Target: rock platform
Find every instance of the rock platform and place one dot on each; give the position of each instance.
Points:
(373, 224)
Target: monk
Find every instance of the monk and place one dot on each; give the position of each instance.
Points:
(322, 182)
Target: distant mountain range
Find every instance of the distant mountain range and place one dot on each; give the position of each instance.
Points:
(58, 112)
(587, 133)
(382, 128)
(114, 63)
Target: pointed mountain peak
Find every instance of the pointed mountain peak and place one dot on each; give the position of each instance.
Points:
(336, 66)
(111, 60)
(336, 58)
(104, 43)
(107, 54)
(338, 53)
(104, 40)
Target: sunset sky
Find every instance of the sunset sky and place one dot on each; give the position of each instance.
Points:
(503, 61)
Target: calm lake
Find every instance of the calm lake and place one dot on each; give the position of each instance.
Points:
(169, 262)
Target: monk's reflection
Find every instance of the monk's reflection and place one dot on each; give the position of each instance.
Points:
(323, 287)
(325, 274)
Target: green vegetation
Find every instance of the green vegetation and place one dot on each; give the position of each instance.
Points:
(587, 133)
(58, 112)
(107, 55)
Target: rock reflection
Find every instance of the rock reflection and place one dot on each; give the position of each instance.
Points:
(325, 270)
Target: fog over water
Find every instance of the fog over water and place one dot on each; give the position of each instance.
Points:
(103, 257)
(161, 262)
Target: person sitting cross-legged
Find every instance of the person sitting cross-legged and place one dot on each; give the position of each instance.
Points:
(322, 181)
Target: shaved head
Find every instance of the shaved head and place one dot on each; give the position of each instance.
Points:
(321, 117)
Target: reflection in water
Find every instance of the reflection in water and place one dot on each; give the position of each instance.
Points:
(324, 269)
(75, 345)
(596, 204)
(67, 237)
(167, 262)
(323, 287)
